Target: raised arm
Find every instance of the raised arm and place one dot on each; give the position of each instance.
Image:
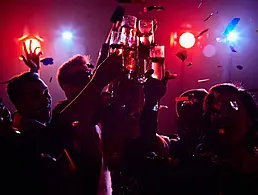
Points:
(84, 106)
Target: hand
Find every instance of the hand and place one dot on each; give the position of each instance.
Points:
(109, 69)
(32, 58)
(154, 89)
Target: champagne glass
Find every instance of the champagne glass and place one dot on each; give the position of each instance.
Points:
(129, 21)
(115, 41)
(157, 55)
(145, 27)
(146, 30)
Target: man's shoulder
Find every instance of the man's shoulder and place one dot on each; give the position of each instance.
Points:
(59, 107)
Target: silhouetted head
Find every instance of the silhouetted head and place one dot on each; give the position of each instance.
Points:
(230, 111)
(190, 97)
(73, 75)
(190, 113)
(30, 96)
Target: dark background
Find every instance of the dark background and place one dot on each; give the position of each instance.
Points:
(89, 21)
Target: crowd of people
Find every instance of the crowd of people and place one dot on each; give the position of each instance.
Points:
(102, 140)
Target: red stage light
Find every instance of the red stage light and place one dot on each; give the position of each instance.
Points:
(35, 43)
(187, 40)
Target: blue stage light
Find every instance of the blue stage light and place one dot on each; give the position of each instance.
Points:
(67, 35)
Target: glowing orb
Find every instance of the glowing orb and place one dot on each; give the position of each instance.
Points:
(187, 40)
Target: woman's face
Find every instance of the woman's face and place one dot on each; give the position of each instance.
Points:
(228, 116)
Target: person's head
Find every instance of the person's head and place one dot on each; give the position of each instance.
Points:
(192, 97)
(190, 113)
(230, 111)
(73, 75)
(30, 96)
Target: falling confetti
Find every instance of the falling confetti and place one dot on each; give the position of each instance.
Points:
(234, 105)
(50, 80)
(47, 156)
(182, 55)
(153, 7)
(200, 4)
(202, 80)
(190, 64)
(231, 26)
(162, 107)
(232, 49)
(172, 76)
(239, 67)
(206, 19)
(219, 66)
(201, 33)
(256, 30)
(47, 61)
(75, 123)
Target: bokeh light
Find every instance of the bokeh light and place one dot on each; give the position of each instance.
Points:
(67, 35)
(187, 40)
(232, 36)
(209, 51)
(34, 44)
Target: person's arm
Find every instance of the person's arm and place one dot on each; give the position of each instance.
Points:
(84, 106)
(154, 90)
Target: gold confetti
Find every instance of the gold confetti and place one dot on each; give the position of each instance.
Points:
(202, 80)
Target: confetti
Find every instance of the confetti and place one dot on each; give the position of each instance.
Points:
(153, 7)
(239, 67)
(182, 99)
(190, 64)
(234, 105)
(47, 156)
(232, 49)
(202, 80)
(219, 66)
(200, 4)
(231, 26)
(162, 107)
(206, 19)
(256, 30)
(47, 61)
(201, 33)
(172, 76)
(182, 55)
(50, 80)
(75, 123)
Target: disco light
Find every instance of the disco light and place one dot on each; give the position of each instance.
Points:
(187, 40)
(232, 36)
(67, 35)
(35, 44)
(31, 40)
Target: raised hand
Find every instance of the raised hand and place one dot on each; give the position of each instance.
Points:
(31, 58)
(155, 89)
